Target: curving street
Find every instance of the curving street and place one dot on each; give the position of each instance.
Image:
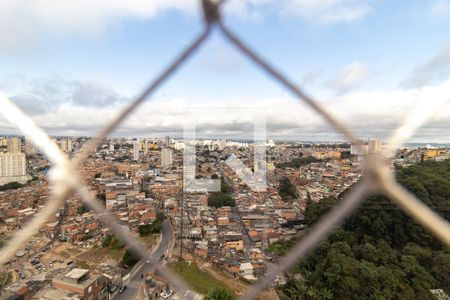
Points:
(135, 280)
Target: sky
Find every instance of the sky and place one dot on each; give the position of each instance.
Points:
(73, 65)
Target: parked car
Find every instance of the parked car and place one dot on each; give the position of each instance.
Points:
(122, 288)
(166, 294)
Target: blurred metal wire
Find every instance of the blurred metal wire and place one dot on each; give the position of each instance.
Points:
(64, 179)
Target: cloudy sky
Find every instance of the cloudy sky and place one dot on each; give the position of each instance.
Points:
(72, 65)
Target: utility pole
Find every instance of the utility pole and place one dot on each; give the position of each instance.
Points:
(266, 221)
(182, 220)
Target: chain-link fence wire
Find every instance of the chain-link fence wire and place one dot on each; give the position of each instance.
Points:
(64, 178)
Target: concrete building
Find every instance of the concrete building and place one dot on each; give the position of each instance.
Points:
(136, 150)
(78, 281)
(375, 146)
(14, 144)
(12, 164)
(166, 157)
(145, 147)
(359, 148)
(3, 141)
(167, 141)
(179, 146)
(66, 145)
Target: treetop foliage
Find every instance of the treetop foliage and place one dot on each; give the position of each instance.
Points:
(379, 252)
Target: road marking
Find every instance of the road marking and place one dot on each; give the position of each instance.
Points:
(134, 284)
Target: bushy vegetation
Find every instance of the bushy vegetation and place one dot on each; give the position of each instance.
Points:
(112, 242)
(5, 279)
(379, 253)
(220, 199)
(220, 294)
(297, 162)
(225, 187)
(287, 190)
(152, 228)
(282, 247)
(11, 186)
(129, 259)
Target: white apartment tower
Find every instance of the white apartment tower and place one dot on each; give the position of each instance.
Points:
(12, 164)
(166, 157)
(66, 145)
(136, 150)
(375, 146)
(145, 147)
(14, 144)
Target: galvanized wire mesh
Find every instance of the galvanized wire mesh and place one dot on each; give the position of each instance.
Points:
(64, 178)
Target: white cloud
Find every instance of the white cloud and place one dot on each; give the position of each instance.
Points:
(349, 77)
(327, 11)
(39, 95)
(23, 22)
(369, 113)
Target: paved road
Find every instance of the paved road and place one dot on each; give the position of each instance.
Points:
(135, 280)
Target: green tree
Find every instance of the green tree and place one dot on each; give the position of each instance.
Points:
(220, 294)
(219, 199)
(152, 228)
(314, 211)
(112, 242)
(298, 162)
(224, 187)
(11, 186)
(379, 252)
(287, 190)
(129, 259)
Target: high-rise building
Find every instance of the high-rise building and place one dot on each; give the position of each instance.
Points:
(30, 148)
(136, 150)
(375, 146)
(145, 147)
(167, 143)
(69, 145)
(14, 144)
(359, 148)
(3, 141)
(66, 145)
(12, 164)
(166, 157)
